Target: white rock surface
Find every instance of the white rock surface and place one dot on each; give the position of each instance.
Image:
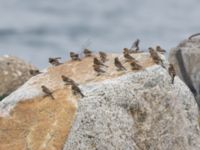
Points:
(138, 111)
(185, 58)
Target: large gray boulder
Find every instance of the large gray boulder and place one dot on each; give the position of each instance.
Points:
(138, 111)
(14, 72)
(186, 59)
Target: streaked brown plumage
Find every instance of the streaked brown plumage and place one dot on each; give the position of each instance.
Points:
(74, 56)
(154, 55)
(129, 57)
(125, 51)
(103, 56)
(98, 62)
(76, 90)
(47, 91)
(118, 64)
(172, 72)
(135, 66)
(159, 49)
(55, 61)
(87, 52)
(68, 81)
(34, 72)
(97, 68)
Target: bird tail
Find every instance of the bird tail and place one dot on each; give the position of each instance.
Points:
(52, 96)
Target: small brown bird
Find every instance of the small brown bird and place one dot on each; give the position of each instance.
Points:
(74, 56)
(98, 69)
(55, 61)
(87, 52)
(135, 46)
(155, 56)
(68, 81)
(135, 66)
(118, 64)
(129, 57)
(98, 62)
(76, 90)
(34, 72)
(172, 72)
(47, 91)
(159, 49)
(103, 56)
(125, 51)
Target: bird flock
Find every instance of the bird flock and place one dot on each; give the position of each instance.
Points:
(99, 64)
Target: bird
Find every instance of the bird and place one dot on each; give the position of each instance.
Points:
(98, 62)
(87, 52)
(76, 90)
(68, 81)
(129, 57)
(172, 72)
(47, 91)
(156, 58)
(34, 72)
(159, 49)
(135, 65)
(103, 56)
(126, 51)
(74, 56)
(55, 61)
(97, 68)
(118, 64)
(135, 46)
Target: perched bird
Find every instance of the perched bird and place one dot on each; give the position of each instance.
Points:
(68, 81)
(34, 72)
(172, 72)
(98, 69)
(156, 58)
(76, 90)
(74, 56)
(125, 51)
(47, 91)
(135, 66)
(129, 57)
(55, 61)
(159, 49)
(98, 62)
(87, 52)
(118, 64)
(135, 46)
(103, 56)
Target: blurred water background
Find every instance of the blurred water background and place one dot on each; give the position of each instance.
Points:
(37, 29)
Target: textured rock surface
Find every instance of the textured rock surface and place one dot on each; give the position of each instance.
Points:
(137, 111)
(14, 72)
(185, 57)
(130, 110)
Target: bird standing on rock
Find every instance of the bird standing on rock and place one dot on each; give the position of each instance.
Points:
(47, 91)
(118, 64)
(97, 68)
(98, 62)
(126, 51)
(76, 90)
(103, 56)
(74, 56)
(156, 58)
(129, 57)
(135, 66)
(87, 52)
(159, 49)
(68, 81)
(34, 72)
(172, 72)
(55, 61)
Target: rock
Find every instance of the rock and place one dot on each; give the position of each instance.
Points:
(185, 58)
(14, 72)
(121, 110)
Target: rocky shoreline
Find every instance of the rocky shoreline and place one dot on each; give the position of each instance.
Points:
(125, 110)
